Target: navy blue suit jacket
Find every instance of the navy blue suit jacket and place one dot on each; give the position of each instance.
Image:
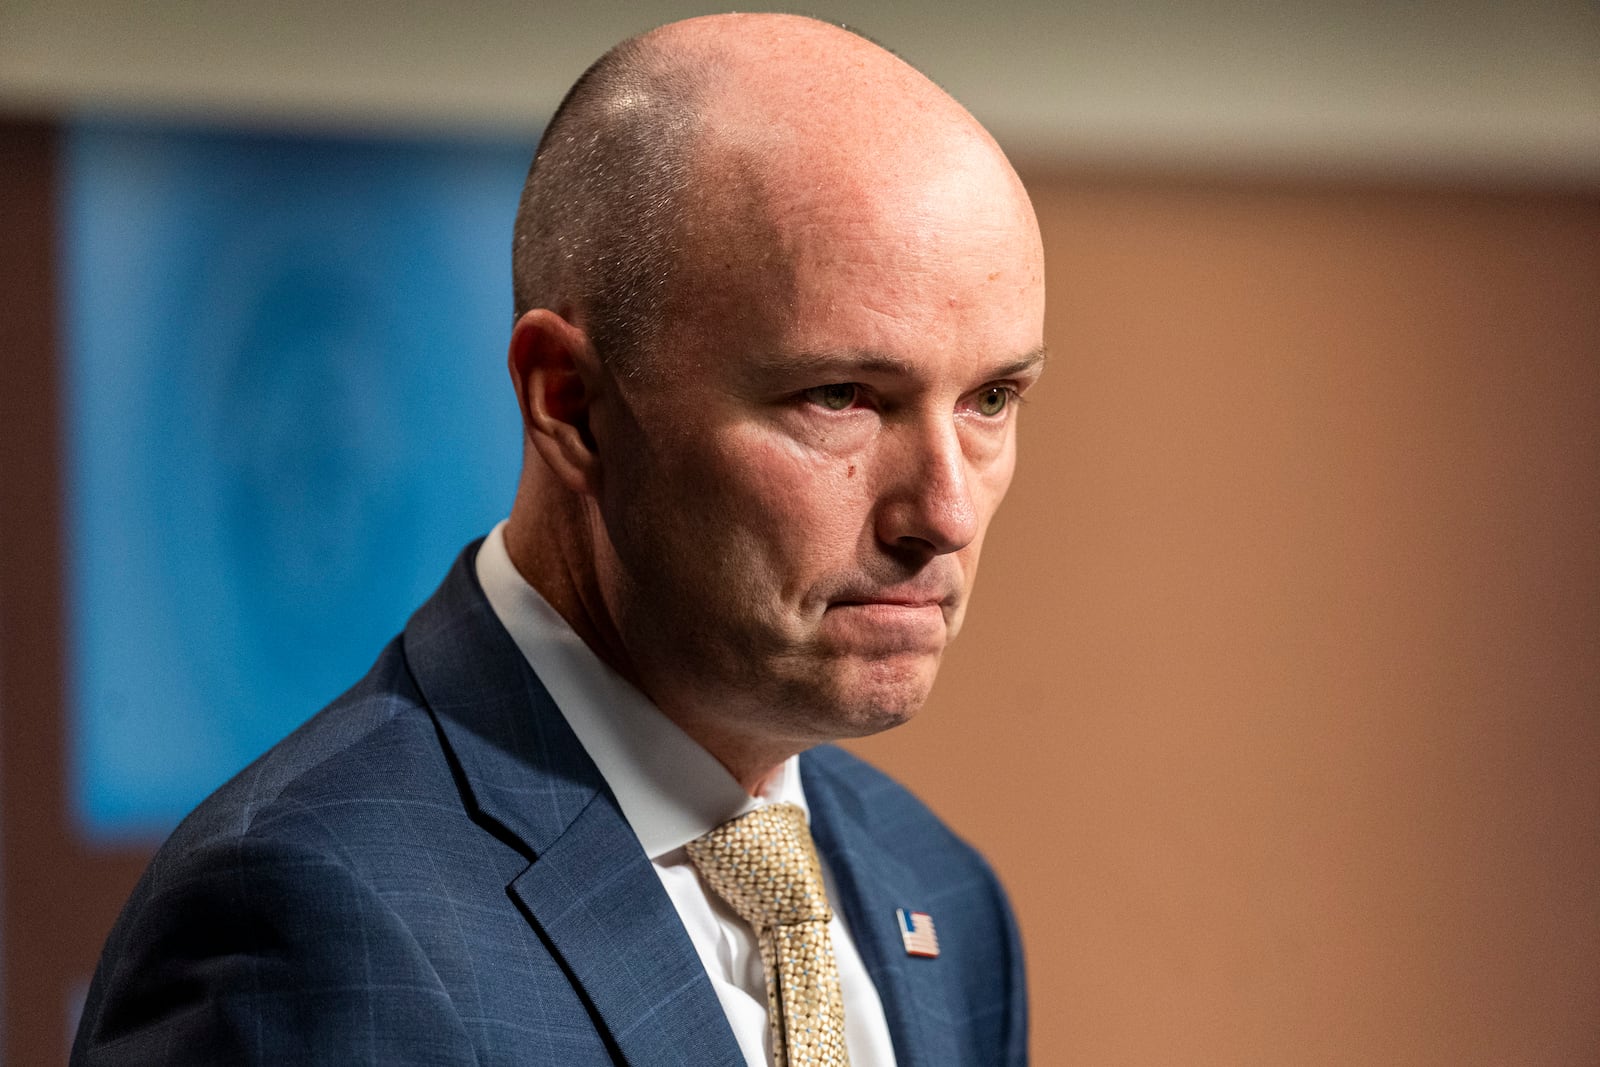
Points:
(431, 870)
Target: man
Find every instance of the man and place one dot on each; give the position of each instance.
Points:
(778, 296)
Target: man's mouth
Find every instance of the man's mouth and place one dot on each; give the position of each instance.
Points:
(923, 595)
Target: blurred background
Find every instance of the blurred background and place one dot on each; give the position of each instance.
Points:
(1279, 708)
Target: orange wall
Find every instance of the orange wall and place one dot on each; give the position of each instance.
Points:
(1279, 704)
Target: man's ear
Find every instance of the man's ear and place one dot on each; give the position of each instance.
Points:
(556, 371)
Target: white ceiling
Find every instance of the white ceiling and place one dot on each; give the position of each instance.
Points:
(1473, 89)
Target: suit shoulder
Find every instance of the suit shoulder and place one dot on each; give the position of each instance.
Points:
(873, 799)
(855, 778)
(851, 772)
(370, 742)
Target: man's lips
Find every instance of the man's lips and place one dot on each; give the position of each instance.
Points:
(897, 598)
(890, 623)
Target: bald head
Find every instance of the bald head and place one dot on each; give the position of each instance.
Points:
(675, 134)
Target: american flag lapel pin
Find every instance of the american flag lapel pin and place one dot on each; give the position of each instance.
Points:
(916, 931)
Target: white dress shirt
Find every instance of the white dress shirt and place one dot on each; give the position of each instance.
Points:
(672, 791)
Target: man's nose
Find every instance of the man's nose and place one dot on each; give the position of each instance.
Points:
(926, 503)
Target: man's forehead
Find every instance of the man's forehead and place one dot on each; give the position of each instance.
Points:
(826, 179)
(839, 200)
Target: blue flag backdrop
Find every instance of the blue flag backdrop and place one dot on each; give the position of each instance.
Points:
(288, 409)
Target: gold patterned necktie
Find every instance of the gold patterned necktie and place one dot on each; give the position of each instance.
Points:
(765, 866)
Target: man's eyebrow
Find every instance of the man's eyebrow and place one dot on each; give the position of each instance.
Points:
(1034, 360)
(845, 364)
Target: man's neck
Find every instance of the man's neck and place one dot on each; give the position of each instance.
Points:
(563, 574)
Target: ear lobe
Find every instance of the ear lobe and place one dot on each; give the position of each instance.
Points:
(553, 368)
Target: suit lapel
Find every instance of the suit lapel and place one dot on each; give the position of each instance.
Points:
(871, 885)
(590, 890)
(595, 897)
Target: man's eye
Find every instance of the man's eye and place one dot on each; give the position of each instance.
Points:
(993, 400)
(832, 397)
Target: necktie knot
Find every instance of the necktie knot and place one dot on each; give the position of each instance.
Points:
(765, 866)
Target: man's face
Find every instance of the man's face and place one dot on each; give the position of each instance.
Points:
(796, 491)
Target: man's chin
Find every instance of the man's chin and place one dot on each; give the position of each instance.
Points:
(881, 693)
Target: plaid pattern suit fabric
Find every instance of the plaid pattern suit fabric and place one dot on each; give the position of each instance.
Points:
(431, 871)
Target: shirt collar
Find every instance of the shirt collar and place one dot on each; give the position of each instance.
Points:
(669, 788)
